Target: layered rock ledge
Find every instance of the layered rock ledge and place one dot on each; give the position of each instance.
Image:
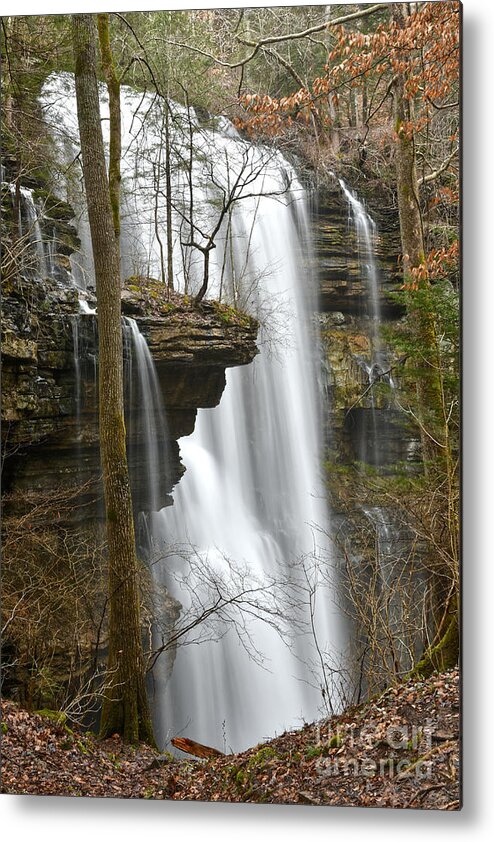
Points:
(342, 287)
(49, 402)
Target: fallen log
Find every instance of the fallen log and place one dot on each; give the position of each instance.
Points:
(197, 749)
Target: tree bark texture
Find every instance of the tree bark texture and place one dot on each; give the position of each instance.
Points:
(436, 446)
(125, 706)
(406, 169)
(412, 243)
(169, 221)
(113, 85)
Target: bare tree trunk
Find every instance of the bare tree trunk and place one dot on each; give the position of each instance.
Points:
(412, 242)
(334, 135)
(113, 85)
(125, 707)
(436, 447)
(156, 189)
(13, 92)
(205, 275)
(407, 185)
(169, 229)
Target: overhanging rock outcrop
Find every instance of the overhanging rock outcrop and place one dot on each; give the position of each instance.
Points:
(49, 400)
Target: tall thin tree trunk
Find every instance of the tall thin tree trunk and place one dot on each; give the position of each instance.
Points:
(205, 275)
(334, 135)
(168, 178)
(156, 187)
(125, 706)
(113, 85)
(412, 242)
(436, 448)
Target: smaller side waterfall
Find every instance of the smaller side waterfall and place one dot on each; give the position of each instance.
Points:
(366, 236)
(398, 583)
(51, 250)
(33, 259)
(77, 369)
(385, 576)
(34, 230)
(44, 238)
(366, 231)
(84, 344)
(376, 367)
(147, 428)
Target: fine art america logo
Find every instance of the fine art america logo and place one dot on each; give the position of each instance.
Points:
(403, 750)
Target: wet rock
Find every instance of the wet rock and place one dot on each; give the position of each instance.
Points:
(49, 403)
(342, 288)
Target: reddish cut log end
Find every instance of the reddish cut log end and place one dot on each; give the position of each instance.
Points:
(197, 749)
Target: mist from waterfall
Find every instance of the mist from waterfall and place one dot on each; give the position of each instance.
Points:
(245, 549)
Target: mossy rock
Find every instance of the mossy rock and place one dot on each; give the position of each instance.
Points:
(336, 741)
(441, 657)
(53, 207)
(57, 716)
(67, 241)
(264, 755)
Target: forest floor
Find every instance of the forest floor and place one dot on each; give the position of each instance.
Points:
(399, 750)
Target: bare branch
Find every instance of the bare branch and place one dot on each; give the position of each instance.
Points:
(276, 39)
(426, 179)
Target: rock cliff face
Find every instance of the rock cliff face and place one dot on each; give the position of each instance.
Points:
(49, 404)
(363, 425)
(49, 361)
(342, 288)
(50, 439)
(367, 436)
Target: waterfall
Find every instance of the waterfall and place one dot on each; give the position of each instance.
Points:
(35, 263)
(84, 344)
(252, 499)
(77, 370)
(244, 550)
(365, 230)
(146, 419)
(51, 247)
(34, 230)
(366, 236)
(377, 367)
(38, 249)
(389, 574)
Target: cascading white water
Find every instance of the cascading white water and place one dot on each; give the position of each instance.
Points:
(252, 496)
(395, 584)
(51, 248)
(38, 255)
(246, 539)
(366, 235)
(377, 367)
(77, 369)
(150, 419)
(30, 228)
(366, 231)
